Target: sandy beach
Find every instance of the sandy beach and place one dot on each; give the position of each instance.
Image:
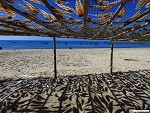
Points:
(35, 63)
(29, 85)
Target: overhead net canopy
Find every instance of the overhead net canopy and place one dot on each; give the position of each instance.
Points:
(89, 19)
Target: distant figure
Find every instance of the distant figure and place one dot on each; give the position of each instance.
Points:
(1, 48)
(70, 48)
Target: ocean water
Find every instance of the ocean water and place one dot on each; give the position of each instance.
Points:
(64, 44)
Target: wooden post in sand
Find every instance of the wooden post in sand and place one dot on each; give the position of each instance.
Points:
(111, 57)
(55, 67)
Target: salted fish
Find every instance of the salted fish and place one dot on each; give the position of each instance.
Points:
(141, 3)
(79, 8)
(7, 10)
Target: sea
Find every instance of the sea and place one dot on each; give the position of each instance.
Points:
(65, 43)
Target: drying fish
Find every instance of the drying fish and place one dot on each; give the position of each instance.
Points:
(37, 1)
(95, 6)
(141, 3)
(11, 1)
(135, 15)
(102, 20)
(66, 8)
(5, 18)
(121, 14)
(79, 8)
(7, 10)
(24, 20)
(141, 19)
(46, 15)
(60, 1)
(60, 13)
(32, 9)
(28, 10)
(53, 17)
(101, 2)
(56, 24)
(102, 15)
(107, 7)
(148, 5)
(72, 20)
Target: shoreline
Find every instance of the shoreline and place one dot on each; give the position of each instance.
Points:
(75, 48)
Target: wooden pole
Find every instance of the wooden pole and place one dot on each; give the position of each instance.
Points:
(55, 65)
(111, 57)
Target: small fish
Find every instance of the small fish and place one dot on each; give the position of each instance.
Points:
(72, 20)
(32, 8)
(37, 1)
(101, 2)
(106, 7)
(28, 10)
(66, 8)
(23, 20)
(60, 13)
(102, 15)
(136, 26)
(11, 1)
(95, 6)
(121, 14)
(109, 5)
(7, 10)
(60, 1)
(56, 24)
(79, 8)
(46, 15)
(102, 20)
(141, 3)
(148, 5)
(135, 15)
(53, 17)
(5, 18)
(141, 19)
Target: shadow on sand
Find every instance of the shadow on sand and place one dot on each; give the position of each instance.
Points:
(123, 92)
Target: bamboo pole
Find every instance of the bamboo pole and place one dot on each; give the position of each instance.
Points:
(86, 5)
(55, 65)
(111, 57)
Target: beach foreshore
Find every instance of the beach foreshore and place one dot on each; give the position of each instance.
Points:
(27, 83)
(39, 62)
